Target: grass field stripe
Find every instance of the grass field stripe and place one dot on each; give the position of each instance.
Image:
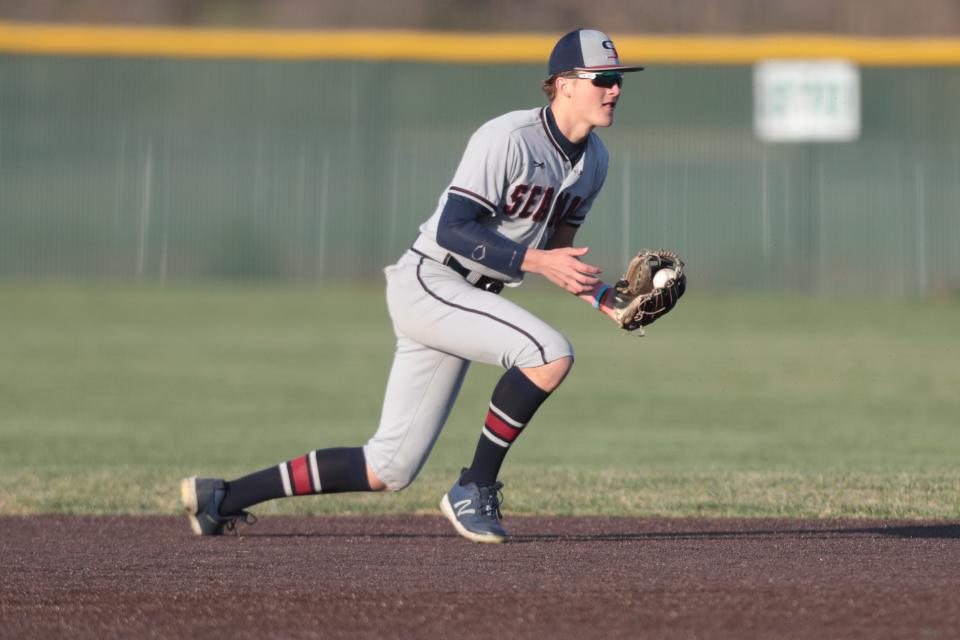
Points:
(500, 414)
(457, 47)
(285, 478)
(492, 437)
(314, 471)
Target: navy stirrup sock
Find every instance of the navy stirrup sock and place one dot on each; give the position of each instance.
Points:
(515, 399)
(322, 471)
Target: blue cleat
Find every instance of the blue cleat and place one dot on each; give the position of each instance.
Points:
(474, 511)
(201, 498)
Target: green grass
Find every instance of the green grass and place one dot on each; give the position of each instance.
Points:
(732, 406)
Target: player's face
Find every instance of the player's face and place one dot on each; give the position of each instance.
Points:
(596, 104)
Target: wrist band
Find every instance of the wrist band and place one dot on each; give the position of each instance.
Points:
(599, 296)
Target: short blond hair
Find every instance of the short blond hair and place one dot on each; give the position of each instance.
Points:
(550, 86)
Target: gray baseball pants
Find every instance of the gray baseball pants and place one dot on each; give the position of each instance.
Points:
(443, 323)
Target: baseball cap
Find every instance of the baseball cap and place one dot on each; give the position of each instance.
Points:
(586, 49)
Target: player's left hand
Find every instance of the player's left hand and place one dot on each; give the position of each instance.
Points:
(563, 268)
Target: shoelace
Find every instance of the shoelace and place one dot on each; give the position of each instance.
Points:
(490, 500)
(230, 525)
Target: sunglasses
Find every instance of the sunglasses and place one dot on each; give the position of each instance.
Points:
(605, 79)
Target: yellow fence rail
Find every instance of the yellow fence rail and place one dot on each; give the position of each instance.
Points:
(423, 46)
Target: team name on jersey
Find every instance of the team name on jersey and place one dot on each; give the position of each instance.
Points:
(537, 201)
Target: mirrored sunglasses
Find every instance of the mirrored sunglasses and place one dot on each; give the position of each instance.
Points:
(605, 79)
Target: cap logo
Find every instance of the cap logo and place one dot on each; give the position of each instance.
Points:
(608, 44)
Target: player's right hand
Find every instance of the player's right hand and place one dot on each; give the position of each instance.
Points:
(563, 268)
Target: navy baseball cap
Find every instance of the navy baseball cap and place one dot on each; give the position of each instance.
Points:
(587, 50)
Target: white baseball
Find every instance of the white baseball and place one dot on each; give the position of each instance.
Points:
(660, 277)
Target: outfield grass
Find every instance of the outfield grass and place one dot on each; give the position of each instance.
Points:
(732, 406)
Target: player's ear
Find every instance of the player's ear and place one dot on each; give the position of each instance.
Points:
(565, 86)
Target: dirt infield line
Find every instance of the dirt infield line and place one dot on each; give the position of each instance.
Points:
(411, 577)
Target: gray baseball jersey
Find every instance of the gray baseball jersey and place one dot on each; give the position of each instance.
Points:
(515, 169)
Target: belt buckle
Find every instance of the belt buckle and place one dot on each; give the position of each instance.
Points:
(493, 286)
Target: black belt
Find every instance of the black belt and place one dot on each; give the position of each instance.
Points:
(485, 282)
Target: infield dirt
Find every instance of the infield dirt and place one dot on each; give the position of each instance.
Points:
(412, 577)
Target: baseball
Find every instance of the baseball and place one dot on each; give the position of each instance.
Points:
(660, 277)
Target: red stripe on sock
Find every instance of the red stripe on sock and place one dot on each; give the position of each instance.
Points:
(301, 476)
(503, 430)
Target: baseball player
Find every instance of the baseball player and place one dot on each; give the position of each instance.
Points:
(524, 186)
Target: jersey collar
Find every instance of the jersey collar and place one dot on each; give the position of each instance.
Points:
(569, 150)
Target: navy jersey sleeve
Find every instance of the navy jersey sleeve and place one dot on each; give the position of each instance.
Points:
(459, 232)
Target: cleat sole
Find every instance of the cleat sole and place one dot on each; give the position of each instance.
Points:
(188, 498)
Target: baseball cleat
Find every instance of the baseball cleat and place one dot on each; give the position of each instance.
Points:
(201, 498)
(474, 511)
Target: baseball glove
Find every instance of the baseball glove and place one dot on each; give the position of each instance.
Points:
(637, 302)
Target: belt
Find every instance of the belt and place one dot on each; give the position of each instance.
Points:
(483, 282)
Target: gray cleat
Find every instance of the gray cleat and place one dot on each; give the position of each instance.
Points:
(474, 511)
(201, 498)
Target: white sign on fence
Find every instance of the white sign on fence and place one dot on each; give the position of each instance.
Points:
(806, 101)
